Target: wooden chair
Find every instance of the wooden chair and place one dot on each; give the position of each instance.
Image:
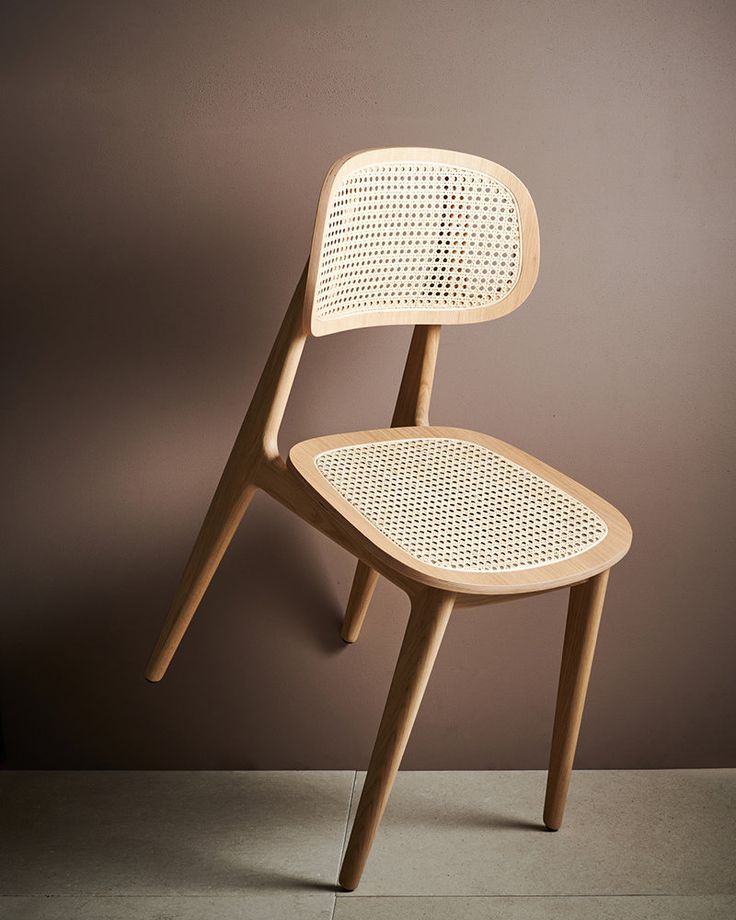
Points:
(453, 517)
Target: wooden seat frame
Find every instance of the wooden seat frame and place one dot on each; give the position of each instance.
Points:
(256, 463)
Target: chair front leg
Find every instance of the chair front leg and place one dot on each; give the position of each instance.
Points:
(583, 618)
(430, 614)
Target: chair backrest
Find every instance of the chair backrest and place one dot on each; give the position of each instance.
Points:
(411, 235)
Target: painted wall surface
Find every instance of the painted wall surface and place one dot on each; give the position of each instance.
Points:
(163, 163)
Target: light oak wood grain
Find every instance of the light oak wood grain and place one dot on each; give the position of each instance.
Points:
(583, 619)
(415, 392)
(257, 463)
(578, 568)
(428, 620)
(361, 592)
(257, 441)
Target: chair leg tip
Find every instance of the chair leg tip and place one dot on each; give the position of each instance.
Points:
(551, 821)
(153, 675)
(156, 670)
(349, 636)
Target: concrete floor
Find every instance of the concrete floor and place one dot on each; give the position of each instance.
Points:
(636, 845)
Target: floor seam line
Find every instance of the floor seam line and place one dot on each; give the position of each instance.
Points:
(223, 897)
(645, 894)
(344, 839)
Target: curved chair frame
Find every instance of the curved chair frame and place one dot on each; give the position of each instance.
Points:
(256, 463)
(364, 159)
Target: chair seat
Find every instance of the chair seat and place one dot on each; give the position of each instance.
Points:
(461, 510)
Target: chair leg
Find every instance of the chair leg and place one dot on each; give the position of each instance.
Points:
(364, 584)
(228, 506)
(429, 617)
(583, 618)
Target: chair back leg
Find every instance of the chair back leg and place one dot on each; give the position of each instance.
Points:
(228, 506)
(583, 618)
(256, 444)
(364, 584)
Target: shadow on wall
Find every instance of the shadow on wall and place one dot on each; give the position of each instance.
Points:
(133, 360)
(77, 666)
(121, 418)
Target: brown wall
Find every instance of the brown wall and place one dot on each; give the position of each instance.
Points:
(164, 164)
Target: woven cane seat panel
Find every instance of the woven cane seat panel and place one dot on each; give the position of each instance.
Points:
(416, 236)
(458, 505)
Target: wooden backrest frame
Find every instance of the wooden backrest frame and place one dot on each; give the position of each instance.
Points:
(263, 420)
(266, 411)
(529, 226)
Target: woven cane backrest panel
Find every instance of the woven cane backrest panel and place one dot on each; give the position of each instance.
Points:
(417, 236)
(458, 505)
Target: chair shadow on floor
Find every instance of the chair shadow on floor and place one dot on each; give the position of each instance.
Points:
(185, 834)
(159, 833)
(454, 816)
(483, 820)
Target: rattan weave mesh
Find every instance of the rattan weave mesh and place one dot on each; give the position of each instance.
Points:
(458, 505)
(415, 236)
